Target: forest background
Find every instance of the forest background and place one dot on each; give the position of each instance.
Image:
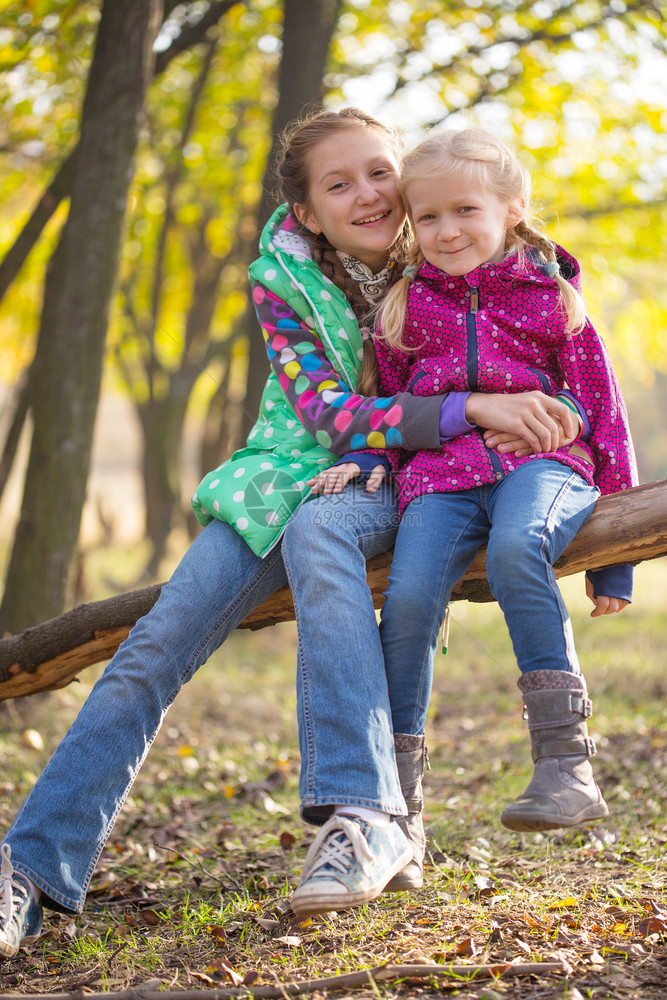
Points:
(137, 141)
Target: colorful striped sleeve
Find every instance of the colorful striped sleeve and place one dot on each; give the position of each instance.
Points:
(337, 418)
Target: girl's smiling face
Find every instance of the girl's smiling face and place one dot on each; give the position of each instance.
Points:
(458, 224)
(353, 194)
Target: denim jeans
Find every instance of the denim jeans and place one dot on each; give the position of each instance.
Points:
(345, 731)
(528, 519)
(62, 827)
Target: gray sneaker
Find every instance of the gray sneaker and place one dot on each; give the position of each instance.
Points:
(20, 914)
(349, 863)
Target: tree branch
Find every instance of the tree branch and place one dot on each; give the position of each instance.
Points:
(21, 406)
(195, 33)
(624, 527)
(364, 977)
(522, 40)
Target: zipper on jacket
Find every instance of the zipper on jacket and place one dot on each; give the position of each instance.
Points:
(471, 331)
(544, 380)
(496, 464)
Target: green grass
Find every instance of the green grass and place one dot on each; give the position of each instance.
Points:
(199, 869)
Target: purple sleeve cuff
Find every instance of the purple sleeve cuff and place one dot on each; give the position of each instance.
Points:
(365, 461)
(585, 423)
(612, 581)
(452, 416)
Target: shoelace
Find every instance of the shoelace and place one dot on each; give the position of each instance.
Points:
(329, 848)
(7, 884)
(6, 872)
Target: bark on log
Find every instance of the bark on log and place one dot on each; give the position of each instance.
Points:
(625, 527)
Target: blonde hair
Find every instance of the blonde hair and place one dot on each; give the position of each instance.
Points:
(477, 157)
(293, 168)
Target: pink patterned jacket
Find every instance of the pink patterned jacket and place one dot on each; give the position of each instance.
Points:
(501, 329)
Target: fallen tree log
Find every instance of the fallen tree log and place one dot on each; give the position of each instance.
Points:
(624, 527)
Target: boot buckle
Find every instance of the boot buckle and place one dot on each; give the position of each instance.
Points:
(584, 706)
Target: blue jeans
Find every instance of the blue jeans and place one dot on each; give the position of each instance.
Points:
(61, 829)
(528, 519)
(345, 732)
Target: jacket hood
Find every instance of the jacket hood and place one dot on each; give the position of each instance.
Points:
(280, 233)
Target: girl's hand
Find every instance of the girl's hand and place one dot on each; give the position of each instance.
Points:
(604, 605)
(336, 477)
(523, 422)
(507, 443)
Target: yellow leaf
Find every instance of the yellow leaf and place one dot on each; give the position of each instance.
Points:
(33, 739)
(563, 904)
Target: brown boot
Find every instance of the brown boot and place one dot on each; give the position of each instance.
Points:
(411, 757)
(562, 792)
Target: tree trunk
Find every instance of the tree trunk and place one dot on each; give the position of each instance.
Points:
(162, 423)
(624, 527)
(308, 27)
(70, 348)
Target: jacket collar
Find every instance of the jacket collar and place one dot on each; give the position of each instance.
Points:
(533, 267)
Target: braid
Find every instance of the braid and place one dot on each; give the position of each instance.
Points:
(528, 235)
(573, 304)
(332, 268)
(394, 305)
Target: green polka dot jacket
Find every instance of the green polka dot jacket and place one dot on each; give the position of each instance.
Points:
(309, 412)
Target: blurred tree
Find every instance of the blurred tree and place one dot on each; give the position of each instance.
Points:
(66, 372)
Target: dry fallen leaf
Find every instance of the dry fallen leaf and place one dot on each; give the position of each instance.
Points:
(219, 935)
(221, 969)
(653, 925)
(268, 924)
(287, 840)
(32, 739)
(466, 947)
(563, 904)
(203, 977)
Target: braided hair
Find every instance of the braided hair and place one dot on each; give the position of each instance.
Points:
(293, 173)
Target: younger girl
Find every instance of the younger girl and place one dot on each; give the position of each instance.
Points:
(489, 304)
